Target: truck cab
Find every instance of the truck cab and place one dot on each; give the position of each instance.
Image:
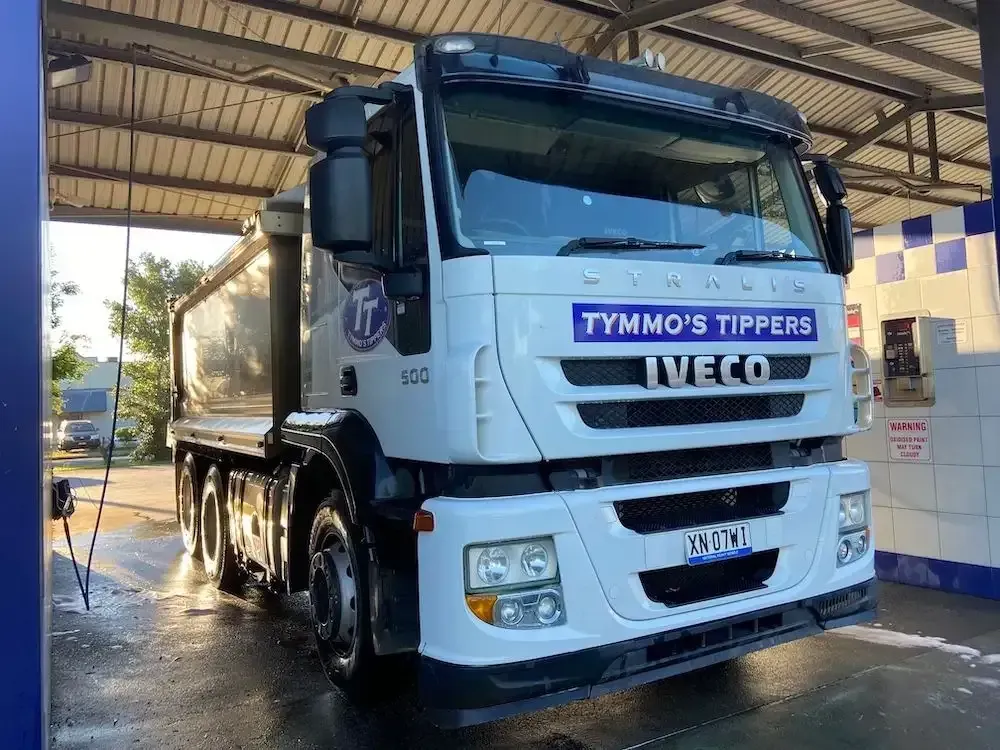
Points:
(544, 376)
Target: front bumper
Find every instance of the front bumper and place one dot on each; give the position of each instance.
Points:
(459, 695)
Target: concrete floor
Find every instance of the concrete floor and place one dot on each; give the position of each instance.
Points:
(165, 661)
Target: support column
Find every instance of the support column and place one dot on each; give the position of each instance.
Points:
(24, 542)
(989, 45)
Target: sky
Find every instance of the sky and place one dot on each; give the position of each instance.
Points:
(94, 257)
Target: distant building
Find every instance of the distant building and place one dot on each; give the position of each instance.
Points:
(92, 397)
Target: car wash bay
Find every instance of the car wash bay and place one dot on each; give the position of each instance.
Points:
(893, 89)
(164, 660)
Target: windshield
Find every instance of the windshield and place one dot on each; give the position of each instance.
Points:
(80, 427)
(531, 169)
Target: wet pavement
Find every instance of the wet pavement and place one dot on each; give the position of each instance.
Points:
(165, 661)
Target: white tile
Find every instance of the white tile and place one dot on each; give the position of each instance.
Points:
(907, 412)
(920, 262)
(992, 476)
(955, 393)
(874, 348)
(994, 529)
(984, 291)
(990, 440)
(985, 340)
(988, 385)
(882, 521)
(870, 445)
(946, 295)
(952, 354)
(864, 296)
(948, 225)
(912, 486)
(960, 489)
(981, 250)
(899, 297)
(915, 532)
(964, 539)
(888, 238)
(956, 441)
(863, 274)
(881, 495)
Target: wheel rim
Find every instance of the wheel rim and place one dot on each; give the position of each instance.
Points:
(187, 505)
(333, 597)
(210, 532)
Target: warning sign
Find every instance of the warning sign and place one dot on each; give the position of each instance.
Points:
(855, 330)
(909, 439)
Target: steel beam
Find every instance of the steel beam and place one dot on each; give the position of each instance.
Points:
(899, 35)
(125, 28)
(159, 181)
(329, 20)
(25, 544)
(860, 187)
(116, 217)
(945, 11)
(932, 146)
(989, 46)
(872, 135)
(182, 132)
(144, 60)
(662, 11)
(847, 135)
(855, 36)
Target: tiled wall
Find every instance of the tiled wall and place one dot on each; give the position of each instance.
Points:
(938, 523)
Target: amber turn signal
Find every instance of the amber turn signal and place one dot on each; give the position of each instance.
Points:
(482, 606)
(423, 520)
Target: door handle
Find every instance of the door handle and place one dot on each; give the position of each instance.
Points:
(348, 381)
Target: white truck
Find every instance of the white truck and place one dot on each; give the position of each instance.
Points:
(543, 378)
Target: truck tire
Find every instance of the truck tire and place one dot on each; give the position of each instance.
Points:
(189, 506)
(338, 602)
(217, 551)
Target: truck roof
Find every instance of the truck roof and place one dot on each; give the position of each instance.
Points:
(499, 55)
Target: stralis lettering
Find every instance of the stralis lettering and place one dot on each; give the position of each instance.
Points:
(606, 322)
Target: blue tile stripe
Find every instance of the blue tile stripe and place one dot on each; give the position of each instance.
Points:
(918, 232)
(944, 575)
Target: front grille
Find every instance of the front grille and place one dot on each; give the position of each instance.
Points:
(663, 412)
(693, 462)
(686, 584)
(632, 370)
(652, 515)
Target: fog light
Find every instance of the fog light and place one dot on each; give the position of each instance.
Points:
(548, 610)
(844, 551)
(511, 612)
(861, 544)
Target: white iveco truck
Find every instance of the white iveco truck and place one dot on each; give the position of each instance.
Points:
(543, 377)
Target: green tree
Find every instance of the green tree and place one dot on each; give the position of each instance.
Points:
(152, 283)
(67, 364)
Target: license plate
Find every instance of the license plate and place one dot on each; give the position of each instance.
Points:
(717, 543)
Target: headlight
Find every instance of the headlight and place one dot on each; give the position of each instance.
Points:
(853, 547)
(853, 511)
(505, 565)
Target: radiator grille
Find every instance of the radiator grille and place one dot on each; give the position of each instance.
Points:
(652, 515)
(632, 370)
(663, 412)
(686, 584)
(694, 462)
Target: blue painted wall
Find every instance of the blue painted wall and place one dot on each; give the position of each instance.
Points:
(23, 530)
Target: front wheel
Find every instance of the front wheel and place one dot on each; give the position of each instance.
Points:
(338, 602)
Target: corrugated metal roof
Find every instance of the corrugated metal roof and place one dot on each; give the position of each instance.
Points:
(259, 124)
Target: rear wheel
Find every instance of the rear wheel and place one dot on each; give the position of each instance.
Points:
(338, 601)
(217, 550)
(189, 506)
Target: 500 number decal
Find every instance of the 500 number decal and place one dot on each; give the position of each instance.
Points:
(415, 376)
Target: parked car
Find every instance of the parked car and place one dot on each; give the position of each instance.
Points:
(78, 433)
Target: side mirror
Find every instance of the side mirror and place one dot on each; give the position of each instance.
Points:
(340, 183)
(404, 283)
(839, 232)
(828, 180)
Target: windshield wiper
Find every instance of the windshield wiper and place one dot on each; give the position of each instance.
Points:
(621, 244)
(739, 255)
